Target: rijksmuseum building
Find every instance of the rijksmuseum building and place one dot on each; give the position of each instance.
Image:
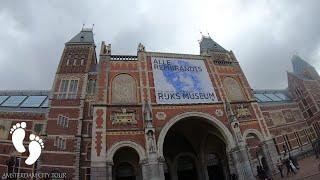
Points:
(160, 116)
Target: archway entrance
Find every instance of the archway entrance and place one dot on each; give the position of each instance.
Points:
(256, 154)
(195, 149)
(186, 168)
(126, 164)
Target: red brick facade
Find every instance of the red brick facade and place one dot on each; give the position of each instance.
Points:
(90, 131)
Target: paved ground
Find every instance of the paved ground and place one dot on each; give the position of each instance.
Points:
(308, 170)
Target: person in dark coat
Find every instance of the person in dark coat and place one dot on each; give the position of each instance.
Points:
(280, 166)
(261, 173)
(289, 167)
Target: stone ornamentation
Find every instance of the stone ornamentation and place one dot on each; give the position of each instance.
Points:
(242, 111)
(151, 142)
(123, 117)
(141, 47)
(161, 115)
(219, 113)
(237, 131)
(108, 49)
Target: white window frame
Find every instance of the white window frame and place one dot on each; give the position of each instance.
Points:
(63, 121)
(74, 62)
(60, 143)
(67, 92)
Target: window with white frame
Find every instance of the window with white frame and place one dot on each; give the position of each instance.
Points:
(68, 89)
(63, 121)
(60, 143)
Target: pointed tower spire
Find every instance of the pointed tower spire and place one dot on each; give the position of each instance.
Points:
(302, 68)
(207, 45)
(85, 36)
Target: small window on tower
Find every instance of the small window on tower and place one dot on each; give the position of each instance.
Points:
(74, 62)
(82, 62)
(63, 121)
(68, 62)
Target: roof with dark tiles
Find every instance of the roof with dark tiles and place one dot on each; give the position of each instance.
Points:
(207, 44)
(85, 36)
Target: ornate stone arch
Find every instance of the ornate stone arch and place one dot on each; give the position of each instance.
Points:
(138, 148)
(123, 89)
(215, 122)
(255, 132)
(233, 89)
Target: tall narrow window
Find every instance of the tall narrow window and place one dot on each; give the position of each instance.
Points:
(89, 152)
(60, 143)
(276, 145)
(73, 89)
(298, 138)
(288, 144)
(309, 112)
(89, 129)
(63, 121)
(91, 86)
(63, 89)
(87, 174)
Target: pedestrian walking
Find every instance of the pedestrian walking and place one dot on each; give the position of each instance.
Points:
(295, 162)
(293, 166)
(261, 173)
(280, 166)
(289, 168)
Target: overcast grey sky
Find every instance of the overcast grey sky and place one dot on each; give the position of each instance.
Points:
(263, 34)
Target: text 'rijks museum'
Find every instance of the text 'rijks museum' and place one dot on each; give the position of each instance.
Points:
(160, 116)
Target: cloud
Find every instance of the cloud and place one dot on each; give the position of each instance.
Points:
(262, 34)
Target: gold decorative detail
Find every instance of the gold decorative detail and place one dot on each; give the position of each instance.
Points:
(242, 111)
(123, 117)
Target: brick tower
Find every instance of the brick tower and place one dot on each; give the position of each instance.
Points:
(69, 116)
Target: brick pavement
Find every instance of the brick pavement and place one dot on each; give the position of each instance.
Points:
(308, 170)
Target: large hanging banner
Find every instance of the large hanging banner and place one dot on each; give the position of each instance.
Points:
(182, 81)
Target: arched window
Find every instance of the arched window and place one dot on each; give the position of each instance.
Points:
(124, 89)
(233, 89)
